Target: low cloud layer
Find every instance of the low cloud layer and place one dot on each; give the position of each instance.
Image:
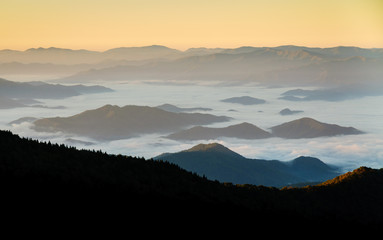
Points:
(349, 152)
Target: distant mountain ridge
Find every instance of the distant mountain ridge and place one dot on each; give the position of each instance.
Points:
(292, 66)
(217, 162)
(281, 66)
(70, 56)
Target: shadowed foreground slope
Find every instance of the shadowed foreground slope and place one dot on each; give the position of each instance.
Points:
(55, 181)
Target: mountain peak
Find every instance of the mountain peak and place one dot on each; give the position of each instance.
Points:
(210, 147)
(206, 147)
(307, 120)
(245, 124)
(309, 128)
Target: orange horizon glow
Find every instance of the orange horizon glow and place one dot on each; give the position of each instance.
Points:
(101, 25)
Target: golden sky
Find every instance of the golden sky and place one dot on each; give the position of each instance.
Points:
(181, 24)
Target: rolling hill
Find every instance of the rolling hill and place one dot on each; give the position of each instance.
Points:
(114, 122)
(217, 162)
(310, 128)
(299, 128)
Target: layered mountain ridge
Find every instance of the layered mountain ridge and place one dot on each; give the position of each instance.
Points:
(217, 162)
(281, 66)
(300, 128)
(112, 122)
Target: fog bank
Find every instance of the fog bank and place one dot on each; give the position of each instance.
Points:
(350, 151)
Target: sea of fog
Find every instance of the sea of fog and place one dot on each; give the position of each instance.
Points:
(349, 152)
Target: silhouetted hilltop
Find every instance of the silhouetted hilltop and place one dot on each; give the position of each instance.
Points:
(310, 128)
(355, 177)
(217, 162)
(114, 122)
(210, 147)
(213, 148)
(62, 183)
(242, 131)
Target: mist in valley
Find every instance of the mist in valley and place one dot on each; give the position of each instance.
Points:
(347, 151)
(340, 85)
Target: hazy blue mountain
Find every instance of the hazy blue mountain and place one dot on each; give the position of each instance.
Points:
(236, 64)
(217, 162)
(173, 108)
(244, 100)
(310, 128)
(41, 90)
(242, 131)
(114, 122)
(346, 68)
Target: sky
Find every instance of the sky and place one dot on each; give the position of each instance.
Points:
(105, 24)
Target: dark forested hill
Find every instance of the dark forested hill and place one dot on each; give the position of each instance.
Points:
(64, 185)
(217, 162)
